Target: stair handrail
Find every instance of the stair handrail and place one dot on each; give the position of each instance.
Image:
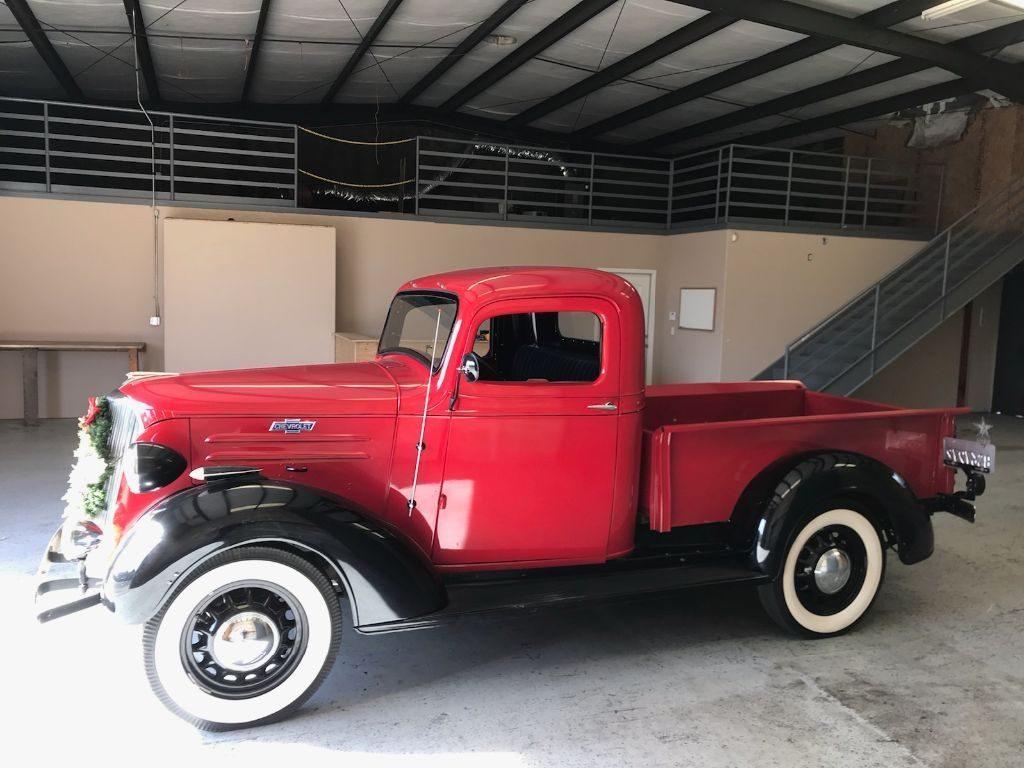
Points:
(937, 300)
(945, 233)
(875, 317)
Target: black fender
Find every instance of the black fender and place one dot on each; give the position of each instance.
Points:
(382, 576)
(813, 480)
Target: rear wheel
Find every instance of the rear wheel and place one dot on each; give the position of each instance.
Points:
(245, 640)
(833, 570)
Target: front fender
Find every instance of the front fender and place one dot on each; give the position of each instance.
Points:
(816, 480)
(383, 579)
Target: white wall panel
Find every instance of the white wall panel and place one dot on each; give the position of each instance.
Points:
(240, 294)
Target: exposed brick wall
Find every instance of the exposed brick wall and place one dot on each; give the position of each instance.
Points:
(986, 158)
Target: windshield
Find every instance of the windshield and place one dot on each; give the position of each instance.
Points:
(412, 321)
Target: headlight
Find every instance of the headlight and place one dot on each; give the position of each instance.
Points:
(148, 466)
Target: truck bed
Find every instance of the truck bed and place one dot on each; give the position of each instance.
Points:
(703, 443)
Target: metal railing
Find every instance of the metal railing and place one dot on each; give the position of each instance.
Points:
(90, 150)
(739, 183)
(511, 182)
(79, 149)
(851, 345)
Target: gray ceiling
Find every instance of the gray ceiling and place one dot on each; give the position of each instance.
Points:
(201, 51)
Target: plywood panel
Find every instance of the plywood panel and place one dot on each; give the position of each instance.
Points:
(242, 294)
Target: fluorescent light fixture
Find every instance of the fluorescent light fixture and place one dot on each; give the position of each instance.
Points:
(955, 6)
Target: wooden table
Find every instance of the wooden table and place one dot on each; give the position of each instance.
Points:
(30, 363)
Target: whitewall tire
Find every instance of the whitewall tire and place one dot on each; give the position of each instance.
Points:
(245, 640)
(833, 569)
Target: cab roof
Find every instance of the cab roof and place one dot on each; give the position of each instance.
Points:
(477, 288)
(483, 285)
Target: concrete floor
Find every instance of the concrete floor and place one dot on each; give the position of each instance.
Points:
(934, 677)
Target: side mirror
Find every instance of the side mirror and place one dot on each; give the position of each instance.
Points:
(470, 367)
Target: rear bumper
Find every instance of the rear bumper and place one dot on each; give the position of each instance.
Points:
(959, 503)
(951, 503)
(63, 585)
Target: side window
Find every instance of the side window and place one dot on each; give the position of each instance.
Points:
(579, 326)
(545, 347)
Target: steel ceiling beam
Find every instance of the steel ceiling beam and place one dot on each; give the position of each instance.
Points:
(576, 16)
(696, 30)
(133, 11)
(364, 45)
(30, 26)
(886, 16)
(983, 42)
(483, 29)
(250, 70)
(947, 90)
(803, 19)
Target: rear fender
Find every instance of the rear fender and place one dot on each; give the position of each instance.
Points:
(381, 576)
(811, 483)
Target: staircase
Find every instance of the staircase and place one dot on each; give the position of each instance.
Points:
(851, 345)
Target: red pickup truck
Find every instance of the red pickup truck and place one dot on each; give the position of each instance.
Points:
(501, 451)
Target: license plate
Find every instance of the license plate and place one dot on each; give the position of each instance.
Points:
(980, 457)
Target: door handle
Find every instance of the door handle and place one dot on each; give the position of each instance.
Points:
(603, 407)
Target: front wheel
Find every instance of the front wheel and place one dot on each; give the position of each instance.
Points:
(832, 573)
(245, 640)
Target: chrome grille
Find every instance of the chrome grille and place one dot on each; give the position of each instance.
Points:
(124, 429)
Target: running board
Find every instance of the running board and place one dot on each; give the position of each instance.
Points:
(501, 591)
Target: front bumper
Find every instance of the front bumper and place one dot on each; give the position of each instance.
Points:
(64, 585)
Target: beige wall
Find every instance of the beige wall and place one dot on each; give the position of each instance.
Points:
(981, 362)
(72, 270)
(84, 270)
(925, 376)
(695, 260)
(375, 256)
(780, 284)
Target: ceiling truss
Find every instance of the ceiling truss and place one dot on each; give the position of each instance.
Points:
(970, 59)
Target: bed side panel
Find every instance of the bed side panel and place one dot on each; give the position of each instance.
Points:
(819, 404)
(707, 466)
(698, 403)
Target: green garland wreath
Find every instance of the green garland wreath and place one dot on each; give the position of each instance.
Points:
(87, 485)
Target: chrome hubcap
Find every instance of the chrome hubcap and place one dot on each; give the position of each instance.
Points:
(245, 641)
(832, 571)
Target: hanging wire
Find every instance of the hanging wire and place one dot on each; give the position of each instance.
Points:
(361, 39)
(353, 184)
(152, 149)
(352, 141)
(607, 44)
(120, 45)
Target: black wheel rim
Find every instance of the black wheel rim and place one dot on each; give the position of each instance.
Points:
(275, 605)
(811, 596)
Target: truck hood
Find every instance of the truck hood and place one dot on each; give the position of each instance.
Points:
(348, 389)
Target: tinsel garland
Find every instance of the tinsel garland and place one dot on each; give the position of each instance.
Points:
(87, 485)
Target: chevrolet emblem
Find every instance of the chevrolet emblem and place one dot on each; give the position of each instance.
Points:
(292, 426)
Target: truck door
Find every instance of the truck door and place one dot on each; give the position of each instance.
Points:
(530, 466)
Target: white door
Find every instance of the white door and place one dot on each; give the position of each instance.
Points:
(643, 280)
